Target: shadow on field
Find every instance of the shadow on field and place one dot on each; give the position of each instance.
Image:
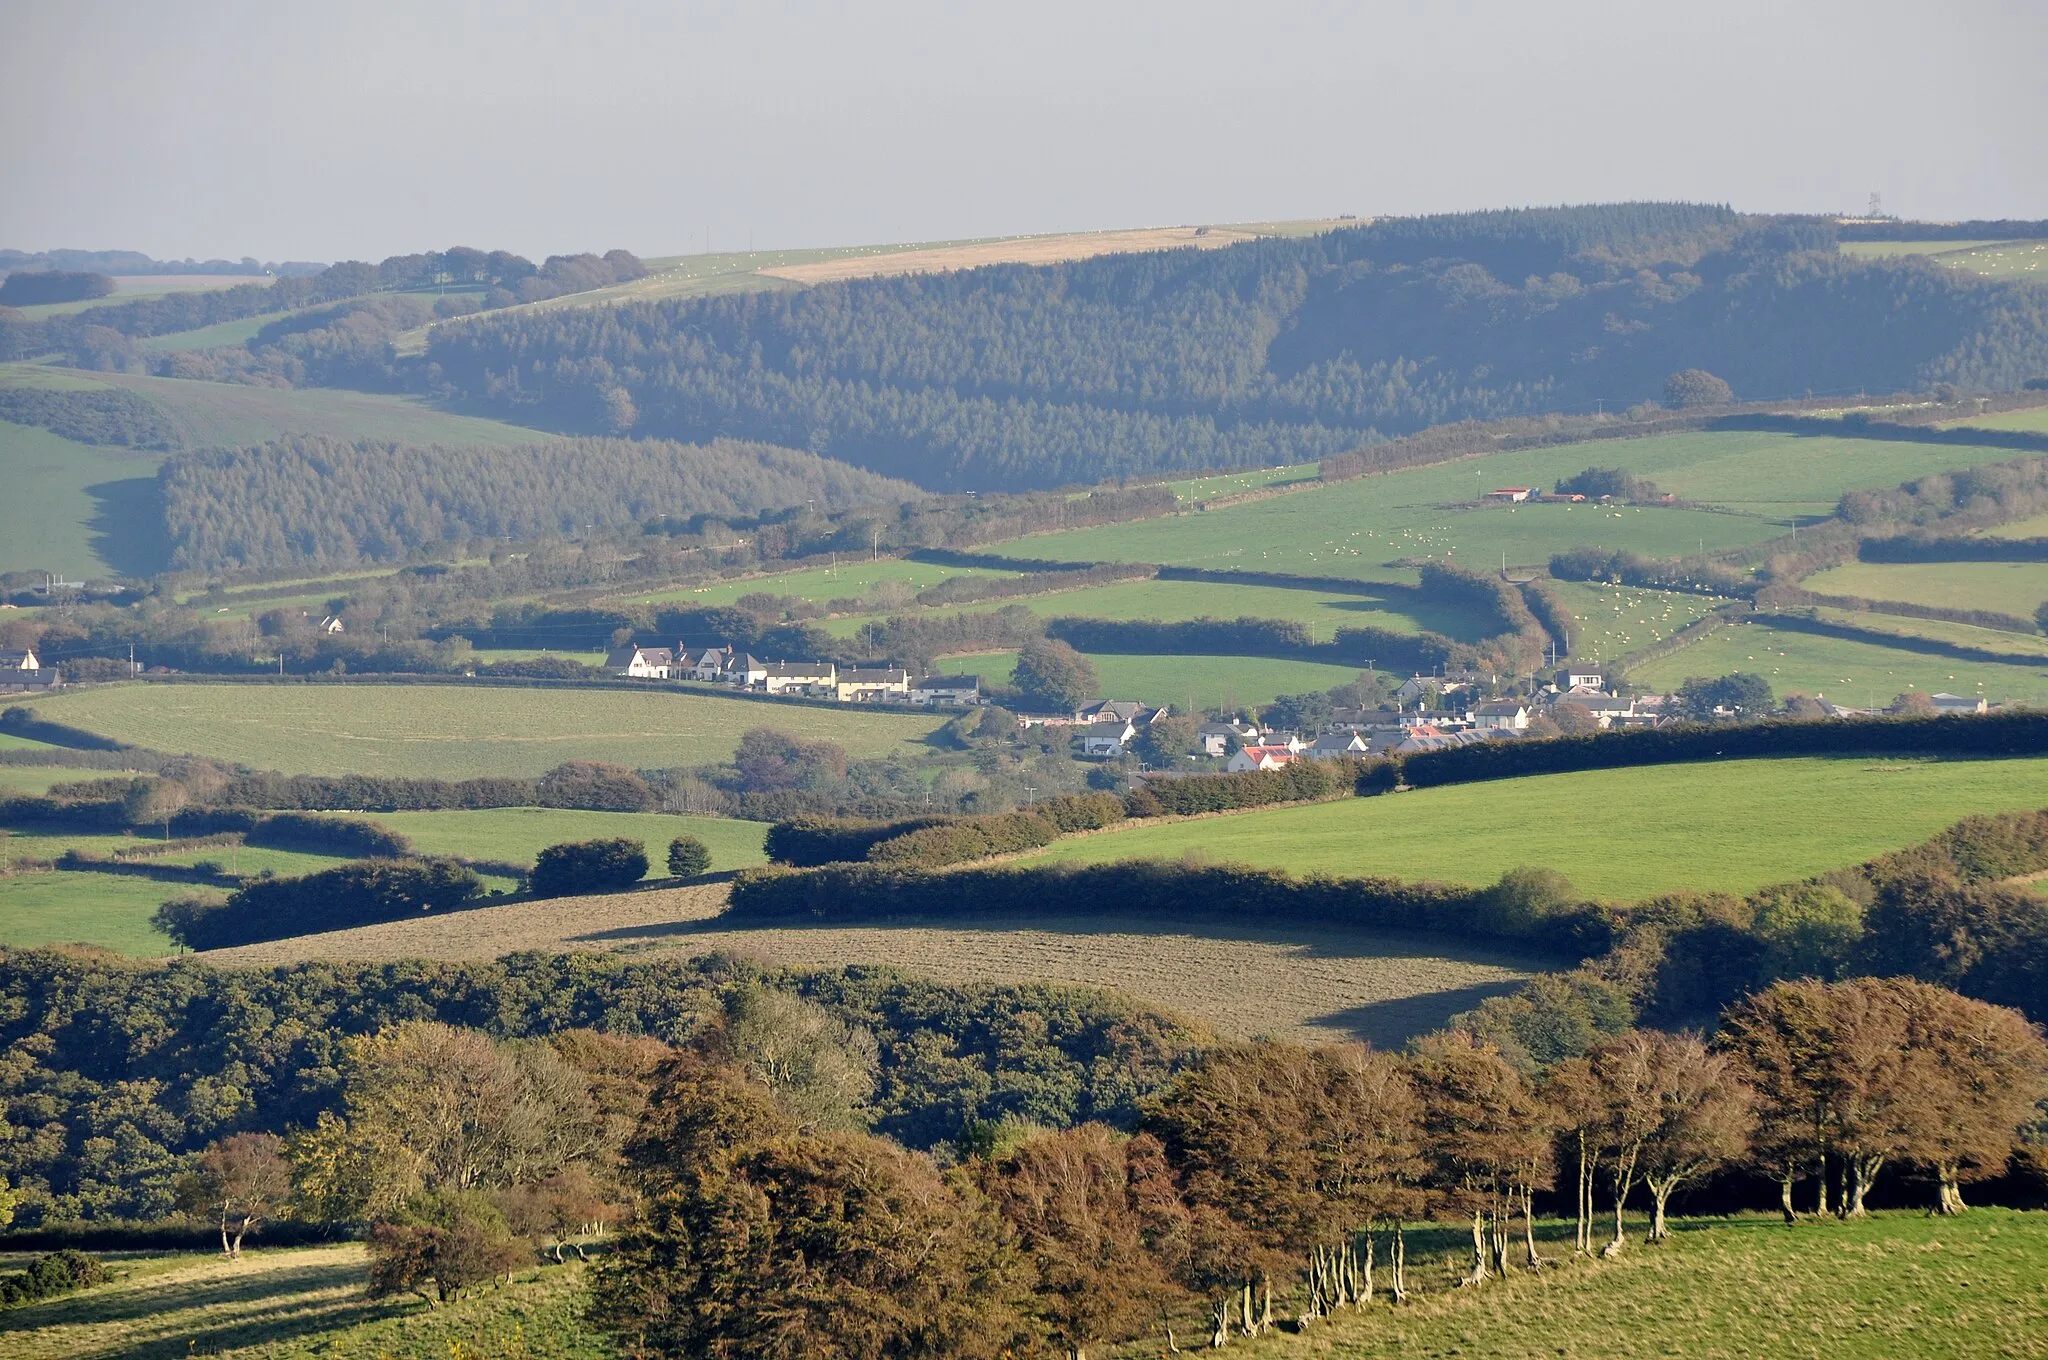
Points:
(290, 1315)
(1390, 1024)
(128, 526)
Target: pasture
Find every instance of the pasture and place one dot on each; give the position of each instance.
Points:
(1855, 673)
(516, 835)
(1728, 826)
(2033, 419)
(457, 731)
(292, 1303)
(1760, 479)
(107, 910)
(898, 578)
(1193, 682)
(1612, 621)
(2015, 588)
(1218, 485)
(2001, 642)
(1392, 604)
(1899, 1285)
(1315, 983)
(82, 511)
(230, 414)
(1050, 249)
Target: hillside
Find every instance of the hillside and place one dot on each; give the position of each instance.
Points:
(1271, 351)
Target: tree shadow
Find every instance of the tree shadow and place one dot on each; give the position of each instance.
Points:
(180, 1295)
(1389, 1024)
(127, 526)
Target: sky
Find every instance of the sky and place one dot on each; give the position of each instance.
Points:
(289, 130)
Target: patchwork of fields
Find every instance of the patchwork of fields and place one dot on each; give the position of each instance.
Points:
(1618, 834)
(1195, 682)
(457, 731)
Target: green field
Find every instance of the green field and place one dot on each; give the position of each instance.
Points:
(70, 908)
(1857, 674)
(817, 584)
(38, 778)
(1352, 528)
(516, 835)
(294, 1303)
(2015, 588)
(1231, 682)
(2034, 419)
(454, 731)
(239, 332)
(1729, 826)
(1611, 621)
(1896, 1286)
(78, 510)
(1196, 489)
(1392, 604)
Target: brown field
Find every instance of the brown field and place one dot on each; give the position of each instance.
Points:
(1298, 982)
(1078, 245)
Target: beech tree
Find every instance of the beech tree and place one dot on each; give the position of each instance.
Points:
(1780, 1038)
(1488, 1139)
(1703, 1119)
(1979, 1073)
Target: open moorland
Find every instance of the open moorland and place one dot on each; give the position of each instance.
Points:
(456, 731)
(1729, 826)
(1303, 982)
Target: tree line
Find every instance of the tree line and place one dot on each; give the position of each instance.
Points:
(1015, 376)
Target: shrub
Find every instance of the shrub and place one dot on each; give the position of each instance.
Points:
(576, 867)
(688, 857)
(807, 842)
(334, 899)
(60, 1272)
(594, 785)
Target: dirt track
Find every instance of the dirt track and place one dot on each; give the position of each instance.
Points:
(1299, 982)
(1078, 245)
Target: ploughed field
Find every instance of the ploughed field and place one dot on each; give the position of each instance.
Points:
(1729, 826)
(458, 731)
(1302, 982)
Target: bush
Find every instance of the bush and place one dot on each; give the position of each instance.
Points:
(1695, 387)
(1303, 781)
(688, 857)
(807, 842)
(594, 785)
(577, 867)
(60, 1272)
(969, 838)
(334, 899)
(329, 835)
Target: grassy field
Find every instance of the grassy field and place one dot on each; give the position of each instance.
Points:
(818, 584)
(454, 732)
(238, 332)
(2034, 419)
(1197, 489)
(1390, 604)
(79, 510)
(518, 834)
(1351, 528)
(83, 908)
(1615, 620)
(38, 778)
(1858, 674)
(1314, 983)
(1231, 682)
(2000, 641)
(1900, 1285)
(1729, 826)
(299, 1302)
(2015, 588)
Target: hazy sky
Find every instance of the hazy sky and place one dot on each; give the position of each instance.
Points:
(322, 131)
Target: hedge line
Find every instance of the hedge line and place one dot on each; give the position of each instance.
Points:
(278, 831)
(1303, 781)
(806, 842)
(871, 892)
(1278, 638)
(1991, 734)
(1000, 834)
(1913, 548)
(358, 894)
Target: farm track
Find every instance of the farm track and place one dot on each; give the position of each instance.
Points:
(1300, 982)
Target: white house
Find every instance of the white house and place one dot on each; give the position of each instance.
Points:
(873, 685)
(708, 664)
(1107, 739)
(1215, 736)
(1581, 677)
(1340, 746)
(935, 691)
(1260, 758)
(799, 677)
(641, 663)
(23, 660)
(331, 624)
(743, 670)
(1501, 715)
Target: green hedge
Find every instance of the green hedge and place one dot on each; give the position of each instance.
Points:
(806, 842)
(1302, 781)
(333, 899)
(1990, 734)
(874, 892)
(999, 834)
(607, 864)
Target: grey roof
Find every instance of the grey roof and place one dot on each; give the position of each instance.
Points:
(949, 682)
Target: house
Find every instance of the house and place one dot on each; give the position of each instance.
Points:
(1216, 737)
(1110, 711)
(23, 660)
(1260, 758)
(1956, 703)
(708, 664)
(640, 663)
(741, 669)
(1365, 720)
(799, 677)
(1501, 715)
(1508, 495)
(1582, 677)
(331, 624)
(1607, 709)
(1418, 686)
(1108, 739)
(873, 685)
(1341, 746)
(939, 691)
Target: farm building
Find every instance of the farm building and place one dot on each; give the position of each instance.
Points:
(1509, 494)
